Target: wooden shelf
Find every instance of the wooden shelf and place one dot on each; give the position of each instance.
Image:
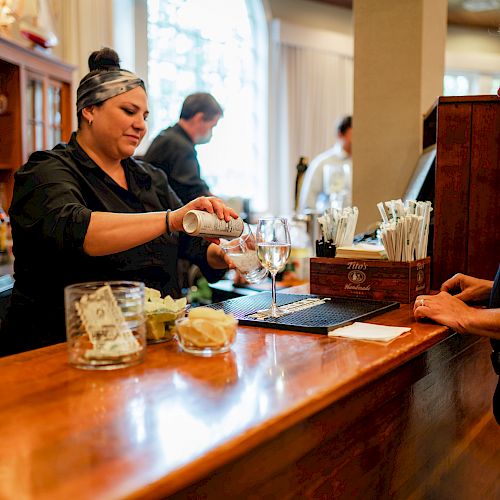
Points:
(26, 78)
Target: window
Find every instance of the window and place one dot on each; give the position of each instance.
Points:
(456, 83)
(495, 85)
(218, 47)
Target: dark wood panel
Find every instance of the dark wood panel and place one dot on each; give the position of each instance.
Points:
(468, 98)
(452, 191)
(484, 204)
(410, 435)
(10, 121)
(67, 109)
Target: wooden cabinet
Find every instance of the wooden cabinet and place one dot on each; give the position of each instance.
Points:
(467, 203)
(37, 111)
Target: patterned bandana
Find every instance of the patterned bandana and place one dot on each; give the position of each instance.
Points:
(104, 85)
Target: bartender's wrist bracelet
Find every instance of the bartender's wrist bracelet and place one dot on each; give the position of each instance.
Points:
(167, 221)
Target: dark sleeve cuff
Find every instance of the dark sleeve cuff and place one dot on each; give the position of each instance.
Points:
(71, 227)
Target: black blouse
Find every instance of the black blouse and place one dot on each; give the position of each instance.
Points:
(54, 196)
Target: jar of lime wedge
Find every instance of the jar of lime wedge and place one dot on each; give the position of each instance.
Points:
(161, 314)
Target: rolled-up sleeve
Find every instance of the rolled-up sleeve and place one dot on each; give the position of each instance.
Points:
(48, 205)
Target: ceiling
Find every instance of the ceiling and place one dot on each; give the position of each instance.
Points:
(471, 13)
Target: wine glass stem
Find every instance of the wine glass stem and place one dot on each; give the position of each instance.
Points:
(274, 308)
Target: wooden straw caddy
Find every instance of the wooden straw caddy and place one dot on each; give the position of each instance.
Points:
(370, 279)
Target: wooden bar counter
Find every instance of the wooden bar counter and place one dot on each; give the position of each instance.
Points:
(282, 415)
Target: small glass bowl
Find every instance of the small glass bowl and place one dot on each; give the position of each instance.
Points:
(204, 337)
(160, 326)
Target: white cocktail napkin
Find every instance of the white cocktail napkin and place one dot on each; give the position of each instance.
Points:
(369, 331)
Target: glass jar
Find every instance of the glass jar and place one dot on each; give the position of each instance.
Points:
(105, 324)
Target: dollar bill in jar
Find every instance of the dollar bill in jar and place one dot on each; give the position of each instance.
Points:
(206, 225)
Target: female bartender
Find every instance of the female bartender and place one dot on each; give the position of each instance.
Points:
(87, 211)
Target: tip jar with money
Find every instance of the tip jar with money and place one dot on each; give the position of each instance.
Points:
(105, 324)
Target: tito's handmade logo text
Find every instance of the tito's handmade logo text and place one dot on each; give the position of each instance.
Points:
(420, 277)
(356, 277)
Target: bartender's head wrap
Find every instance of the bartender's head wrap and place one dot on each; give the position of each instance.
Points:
(99, 86)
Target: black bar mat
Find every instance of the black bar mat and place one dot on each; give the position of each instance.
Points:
(333, 314)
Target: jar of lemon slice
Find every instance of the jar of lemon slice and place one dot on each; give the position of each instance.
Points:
(206, 331)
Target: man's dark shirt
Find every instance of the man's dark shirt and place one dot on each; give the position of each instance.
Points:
(54, 196)
(173, 151)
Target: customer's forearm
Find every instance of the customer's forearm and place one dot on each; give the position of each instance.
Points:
(485, 322)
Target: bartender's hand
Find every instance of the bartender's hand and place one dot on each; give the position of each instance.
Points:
(209, 204)
(217, 258)
(238, 279)
(445, 309)
(468, 288)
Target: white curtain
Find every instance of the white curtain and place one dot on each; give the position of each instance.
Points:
(82, 27)
(313, 89)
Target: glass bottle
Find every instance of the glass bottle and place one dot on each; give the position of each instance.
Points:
(299, 178)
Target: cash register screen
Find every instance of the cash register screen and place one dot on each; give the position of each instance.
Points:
(421, 185)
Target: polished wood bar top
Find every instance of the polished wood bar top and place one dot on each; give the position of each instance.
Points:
(149, 430)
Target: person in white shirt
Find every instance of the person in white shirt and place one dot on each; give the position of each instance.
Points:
(328, 180)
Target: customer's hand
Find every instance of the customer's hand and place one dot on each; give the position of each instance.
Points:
(217, 258)
(468, 288)
(445, 309)
(209, 204)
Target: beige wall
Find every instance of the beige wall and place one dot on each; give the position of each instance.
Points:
(327, 17)
(432, 50)
(482, 40)
(398, 74)
(313, 15)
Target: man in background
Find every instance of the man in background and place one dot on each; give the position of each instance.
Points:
(173, 150)
(328, 180)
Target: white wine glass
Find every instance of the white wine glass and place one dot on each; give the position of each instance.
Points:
(273, 250)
